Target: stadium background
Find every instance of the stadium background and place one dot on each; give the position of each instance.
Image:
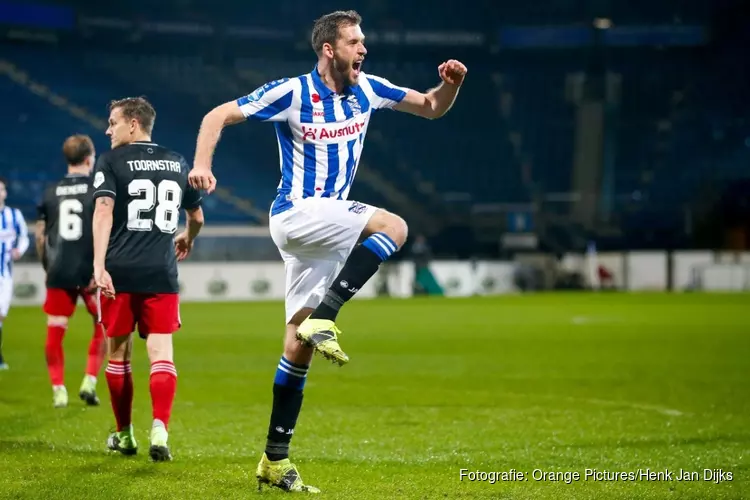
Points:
(595, 144)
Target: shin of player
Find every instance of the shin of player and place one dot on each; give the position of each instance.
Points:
(64, 244)
(14, 241)
(288, 386)
(140, 188)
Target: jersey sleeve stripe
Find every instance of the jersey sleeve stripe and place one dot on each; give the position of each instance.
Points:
(386, 91)
(279, 105)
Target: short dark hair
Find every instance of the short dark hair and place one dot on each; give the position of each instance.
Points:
(326, 28)
(4, 181)
(138, 108)
(77, 148)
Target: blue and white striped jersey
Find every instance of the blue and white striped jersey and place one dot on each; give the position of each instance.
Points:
(320, 133)
(13, 234)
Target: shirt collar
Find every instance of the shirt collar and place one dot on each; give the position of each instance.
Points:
(321, 88)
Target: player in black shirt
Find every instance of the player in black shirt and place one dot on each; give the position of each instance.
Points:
(139, 188)
(64, 243)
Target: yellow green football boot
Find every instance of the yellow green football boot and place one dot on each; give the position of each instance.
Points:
(322, 335)
(282, 474)
(123, 441)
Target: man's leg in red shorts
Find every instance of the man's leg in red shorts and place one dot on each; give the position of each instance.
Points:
(118, 319)
(120, 379)
(163, 380)
(159, 319)
(163, 385)
(95, 359)
(120, 384)
(53, 350)
(97, 349)
(59, 305)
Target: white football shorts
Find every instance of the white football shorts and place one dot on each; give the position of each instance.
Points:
(6, 295)
(315, 237)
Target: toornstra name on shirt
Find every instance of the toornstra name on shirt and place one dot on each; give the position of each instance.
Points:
(154, 165)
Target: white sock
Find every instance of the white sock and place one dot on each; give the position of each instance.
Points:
(158, 423)
(90, 378)
(58, 387)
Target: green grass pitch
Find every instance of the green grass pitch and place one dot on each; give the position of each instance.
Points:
(559, 383)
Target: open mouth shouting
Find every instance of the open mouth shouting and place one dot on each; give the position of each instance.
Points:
(357, 67)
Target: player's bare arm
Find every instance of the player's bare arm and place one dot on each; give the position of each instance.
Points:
(39, 238)
(195, 221)
(102, 226)
(208, 137)
(183, 243)
(437, 101)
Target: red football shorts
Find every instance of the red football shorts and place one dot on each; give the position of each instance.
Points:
(151, 312)
(62, 301)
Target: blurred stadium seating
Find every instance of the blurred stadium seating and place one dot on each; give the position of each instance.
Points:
(184, 88)
(674, 141)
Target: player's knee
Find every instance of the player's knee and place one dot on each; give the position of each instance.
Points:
(391, 224)
(299, 317)
(297, 352)
(159, 347)
(294, 350)
(119, 348)
(60, 321)
(403, 231)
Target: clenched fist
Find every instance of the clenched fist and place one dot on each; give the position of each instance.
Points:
(452, 72)
(201, 178)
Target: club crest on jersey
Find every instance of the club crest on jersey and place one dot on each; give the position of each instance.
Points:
(357, 207)
(354, 106)
(98, 179)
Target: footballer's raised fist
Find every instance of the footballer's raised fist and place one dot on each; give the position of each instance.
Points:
(201, 178)
(452, 72)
